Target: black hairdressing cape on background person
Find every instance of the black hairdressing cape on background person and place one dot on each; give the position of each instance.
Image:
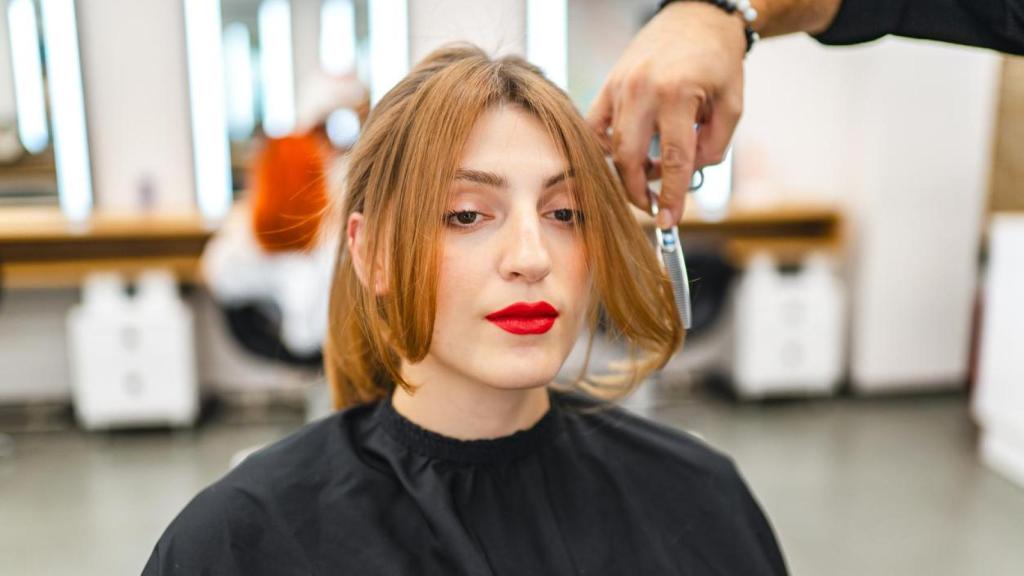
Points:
(589, 489)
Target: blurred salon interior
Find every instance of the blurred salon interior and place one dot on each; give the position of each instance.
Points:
(168, 173)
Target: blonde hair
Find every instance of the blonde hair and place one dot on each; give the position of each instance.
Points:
(399, 175)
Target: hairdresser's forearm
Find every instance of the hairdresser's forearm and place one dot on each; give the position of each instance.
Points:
(778, 17)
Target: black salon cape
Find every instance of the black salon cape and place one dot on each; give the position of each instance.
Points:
(590, 489)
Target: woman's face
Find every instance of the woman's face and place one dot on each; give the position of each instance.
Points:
(509, 239)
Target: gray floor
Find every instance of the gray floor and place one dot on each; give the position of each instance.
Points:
(853, 486)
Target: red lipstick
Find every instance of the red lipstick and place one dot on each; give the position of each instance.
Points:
(525, 318)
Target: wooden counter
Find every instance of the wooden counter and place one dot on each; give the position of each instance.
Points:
(40, 248)
(788, 231)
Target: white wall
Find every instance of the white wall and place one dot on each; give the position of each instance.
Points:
(800, 128)
(497, 26)
(900, 133)
(136, 101)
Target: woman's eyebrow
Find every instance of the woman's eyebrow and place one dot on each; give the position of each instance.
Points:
(497, 181)
(560, 177)
(480, 177)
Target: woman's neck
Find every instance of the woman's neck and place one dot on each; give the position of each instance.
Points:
(460, 408)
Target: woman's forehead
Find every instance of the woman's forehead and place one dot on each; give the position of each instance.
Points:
(512, 143)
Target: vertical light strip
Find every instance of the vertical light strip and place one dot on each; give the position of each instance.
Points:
(67, 104)
(338, 36)
(28, 76)
(277, 77)
(241, 101)
(547, 38)
(210, 151)
(389, 45)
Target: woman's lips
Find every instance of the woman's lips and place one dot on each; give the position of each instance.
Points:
(534, 325)
(525, 318)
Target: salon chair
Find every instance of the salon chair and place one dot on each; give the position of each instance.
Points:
(256, 327)
(710, 276)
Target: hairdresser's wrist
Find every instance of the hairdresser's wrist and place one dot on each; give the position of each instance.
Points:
(779, 17)
(709, 17)
(741, 11)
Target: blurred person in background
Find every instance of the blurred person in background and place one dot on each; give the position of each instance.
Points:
(291, 175)
(685, 68)
(483, 232)
(269, 266)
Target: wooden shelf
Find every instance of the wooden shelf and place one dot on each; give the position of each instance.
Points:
(34, 225)
(70, 273)
(787, 231)
(40, 248)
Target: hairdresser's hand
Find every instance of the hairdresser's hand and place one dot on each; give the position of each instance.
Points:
(684, 67)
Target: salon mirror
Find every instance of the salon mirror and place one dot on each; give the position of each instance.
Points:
(276, 56)
(27, 167)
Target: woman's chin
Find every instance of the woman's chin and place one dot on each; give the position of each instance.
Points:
(521, 375)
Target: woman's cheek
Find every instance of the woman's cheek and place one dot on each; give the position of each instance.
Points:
(575, 261)
(582, 284)
(455, 277)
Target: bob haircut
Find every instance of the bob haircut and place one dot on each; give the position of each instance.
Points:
(400, 175)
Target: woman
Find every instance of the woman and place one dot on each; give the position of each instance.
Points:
(483, 231)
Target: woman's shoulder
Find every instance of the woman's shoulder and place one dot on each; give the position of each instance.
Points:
(320, 449)
(220, 532)
(228, 524)
(679, 482)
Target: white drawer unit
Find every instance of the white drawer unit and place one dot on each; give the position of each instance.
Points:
(132, 357)
(788, 330)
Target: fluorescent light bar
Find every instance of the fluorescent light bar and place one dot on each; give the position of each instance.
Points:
(547, 38)
(64, 74)
(276, 75)
(389, 45)
(337, 36)
(211, 154)
(241, 95)
(28, 76)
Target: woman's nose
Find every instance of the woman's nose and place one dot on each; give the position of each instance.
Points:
(525, 255)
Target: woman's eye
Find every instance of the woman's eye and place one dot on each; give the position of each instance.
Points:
(568, 216)
(467, 218)
(462, 218)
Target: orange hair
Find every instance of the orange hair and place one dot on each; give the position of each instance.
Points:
(400, 173)
(289, 194)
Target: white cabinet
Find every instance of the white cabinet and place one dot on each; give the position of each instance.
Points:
(999, 398)
(132, 357)
(788, 330)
